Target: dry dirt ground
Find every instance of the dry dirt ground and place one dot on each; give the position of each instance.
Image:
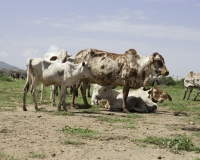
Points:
(23, 134)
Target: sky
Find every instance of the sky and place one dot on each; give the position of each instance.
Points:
(31, 28)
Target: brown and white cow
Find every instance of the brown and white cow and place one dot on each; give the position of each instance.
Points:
(145, 98)
(52, 73)
(129, 70)
(192, 80)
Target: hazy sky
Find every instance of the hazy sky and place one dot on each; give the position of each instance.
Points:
(31, 28)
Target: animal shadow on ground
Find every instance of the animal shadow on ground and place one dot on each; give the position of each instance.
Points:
(192, 129)
(162, 112)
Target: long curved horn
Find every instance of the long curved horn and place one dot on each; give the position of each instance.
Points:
(68, 54)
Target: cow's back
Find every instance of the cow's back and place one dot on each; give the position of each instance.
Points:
(110, 69)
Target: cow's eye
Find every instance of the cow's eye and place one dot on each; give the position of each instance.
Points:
(160, 64)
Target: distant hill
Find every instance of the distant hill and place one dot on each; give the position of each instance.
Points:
(7, 66)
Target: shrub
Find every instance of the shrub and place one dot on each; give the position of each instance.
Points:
(5, 78)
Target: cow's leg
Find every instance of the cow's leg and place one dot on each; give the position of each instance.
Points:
(196, 95)
(33, 90)
(71, 89)
(88, 88)
(42, 92)
(135, 104)
(53, 90)
(83, 92)
(73, 96)
(62, 98)
(186, 89)
(26, 88)
(191, 88)
(75, 92)
(126, 89)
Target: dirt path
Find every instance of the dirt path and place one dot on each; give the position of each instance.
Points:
(23, 134)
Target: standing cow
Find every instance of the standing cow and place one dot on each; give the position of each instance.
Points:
(129, 70)
(52, 73)
(59, 57)
(192, 80)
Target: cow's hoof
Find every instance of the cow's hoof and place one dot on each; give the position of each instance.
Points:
(24, 109)
(126, 111)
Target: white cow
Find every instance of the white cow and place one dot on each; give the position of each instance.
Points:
(52, 73)
(59, 57)
(140, 100)
(192, 80)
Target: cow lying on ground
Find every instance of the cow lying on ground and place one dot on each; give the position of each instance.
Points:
(192, 80)
(52, 73)
(59, 57)
(140, 100)
(129, 70)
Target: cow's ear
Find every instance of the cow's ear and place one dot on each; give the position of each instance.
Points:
(83, 63)
(150, 91)
(169, 97)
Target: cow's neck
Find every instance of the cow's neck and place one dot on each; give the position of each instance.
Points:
(76, 69)
(143, 62)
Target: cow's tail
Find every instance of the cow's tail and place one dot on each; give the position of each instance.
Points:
(28, 80)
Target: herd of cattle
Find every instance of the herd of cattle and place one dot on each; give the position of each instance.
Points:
(107, 71)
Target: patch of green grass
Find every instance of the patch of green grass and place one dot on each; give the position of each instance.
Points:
(79, 131)
(6, 78)
(37, 155)
(134, 116)
(197, 159)
(11, 159)
(197, 134)
(73, 142)
(8, 108)
(93, 109)
(6, 157)
(176, 144)
(124, 126)
(178, 104)
(196, 119)
(2, 154)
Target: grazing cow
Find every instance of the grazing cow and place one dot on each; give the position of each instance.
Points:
(129, 70)
(52, 73)
(192, 80)
(15, 75)
(59, 57)
(140, 100)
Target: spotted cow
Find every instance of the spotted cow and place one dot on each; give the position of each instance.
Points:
(129, 70)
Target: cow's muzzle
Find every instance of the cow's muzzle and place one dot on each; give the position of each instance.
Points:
(165, 73)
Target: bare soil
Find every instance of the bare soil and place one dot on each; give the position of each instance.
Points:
(23, 134)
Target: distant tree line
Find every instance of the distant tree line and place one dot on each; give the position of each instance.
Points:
(9, 72)
(168, 81)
